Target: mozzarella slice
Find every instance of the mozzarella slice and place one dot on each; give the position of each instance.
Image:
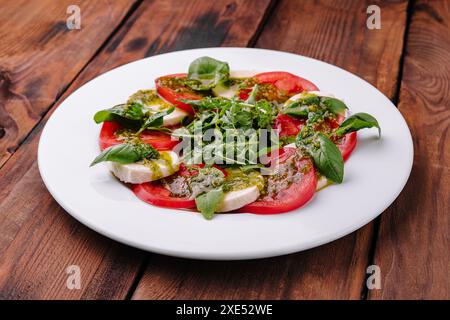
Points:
(318, 93)
(237, 199)
(322, 182)
(225, 91)
(175, 117)
(229, 92)
(166, 165)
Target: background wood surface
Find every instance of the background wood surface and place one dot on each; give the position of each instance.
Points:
(42, 62)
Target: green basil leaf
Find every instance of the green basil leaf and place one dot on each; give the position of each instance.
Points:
(334, 105)
(356, 122)
(208, 203)
(126, 153)
(327, 157)
(207, 73)
(155, 120)
(133, 111)
(303, 105)
(121, 153)
(296, 109)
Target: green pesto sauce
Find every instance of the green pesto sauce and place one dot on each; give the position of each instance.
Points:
(148, 98)
(154, 166)
(179, 85)
(237, 180)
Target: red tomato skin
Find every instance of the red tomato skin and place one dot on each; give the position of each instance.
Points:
(348, 145)
(107, 137)
(297, 195)
(287, 125)
(286, 81)
(173, 97)
(155, 194)
(290, 126)
(158, 140)
(189, 173)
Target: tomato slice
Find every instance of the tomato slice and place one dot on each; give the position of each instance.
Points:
(293, 197)
(286, 82)
(347, 145)
(154, 193)
(287, 125)
(158, 140)
(185, 172)
(173, 91)
(283, 85)
(290, 126)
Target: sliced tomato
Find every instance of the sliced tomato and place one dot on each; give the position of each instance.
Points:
(290, 126)
(281, 86)
(287, 125)
(347, 145)
(107, 136)
(158, 140)
(293, 197)
(189, 172)
(286, 82)
(154, 193)
(168, 88)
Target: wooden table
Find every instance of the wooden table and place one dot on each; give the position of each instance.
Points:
(42, 62)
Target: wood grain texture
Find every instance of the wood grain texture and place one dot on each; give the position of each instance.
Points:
(333, 31)
(40, 56)
(413, 247)
(38, 240)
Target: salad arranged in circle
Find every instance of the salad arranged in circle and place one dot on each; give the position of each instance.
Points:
(219, 141)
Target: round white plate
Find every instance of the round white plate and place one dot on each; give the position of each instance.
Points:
(374, 175)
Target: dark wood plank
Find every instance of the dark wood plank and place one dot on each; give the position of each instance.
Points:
(333, 31)
(38, 240)
(413, 248)
(40, 56)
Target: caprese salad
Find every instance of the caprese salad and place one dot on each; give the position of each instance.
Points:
(194, 141)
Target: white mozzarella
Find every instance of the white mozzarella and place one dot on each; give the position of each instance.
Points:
(319, 93)
(140, 173)
(237, 199)
(224, 91)
(175, 117)
(229, 92)
(322, 182)
(242, 73)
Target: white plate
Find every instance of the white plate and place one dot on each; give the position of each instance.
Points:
(374, 175)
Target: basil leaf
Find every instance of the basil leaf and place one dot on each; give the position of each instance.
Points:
(126, 153)
(155, 120)
(121, 153)
(326, 156)
(207, 73)
(296, 109)
(303, 105)
(334, 105)
(208, 203)
(133, 111)
(356, 122)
